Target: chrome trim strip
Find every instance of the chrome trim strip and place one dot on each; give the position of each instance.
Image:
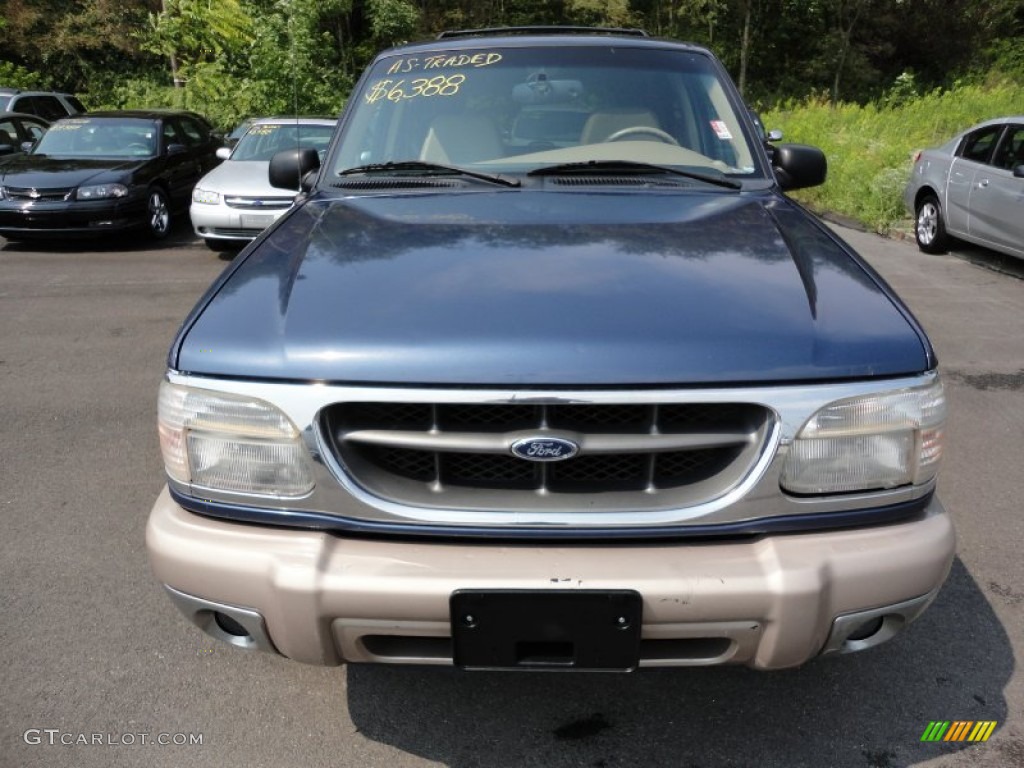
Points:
(757, 497)
(480, 442)
(802, 523)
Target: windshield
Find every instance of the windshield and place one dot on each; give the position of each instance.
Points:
(513, 110)
(99, 137)
(263, 141)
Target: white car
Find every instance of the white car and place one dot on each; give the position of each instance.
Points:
(234, 202)
(971, 189)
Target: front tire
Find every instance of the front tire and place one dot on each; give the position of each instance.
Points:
(158, 214)
(929, 226)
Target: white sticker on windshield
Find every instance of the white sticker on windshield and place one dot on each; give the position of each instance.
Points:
(721, 130)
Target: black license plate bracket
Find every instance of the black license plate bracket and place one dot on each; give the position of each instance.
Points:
(546, 629)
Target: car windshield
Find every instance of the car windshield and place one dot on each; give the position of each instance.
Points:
(518, 109)
(263, 141)
(99, 137)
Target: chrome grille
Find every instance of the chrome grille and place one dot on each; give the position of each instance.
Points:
(259, 203)
(632, 456)
(33, 193)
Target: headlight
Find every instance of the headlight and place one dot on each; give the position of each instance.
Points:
(205, 196)
(871, 442)
(223, 442)
(101, 191)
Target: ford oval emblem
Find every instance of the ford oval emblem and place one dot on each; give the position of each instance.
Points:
(545, 448)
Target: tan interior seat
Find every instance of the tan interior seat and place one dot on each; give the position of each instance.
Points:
(461, 139)
(601, 125)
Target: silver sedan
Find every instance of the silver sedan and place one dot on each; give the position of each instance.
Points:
(233, 203)
(971, 188)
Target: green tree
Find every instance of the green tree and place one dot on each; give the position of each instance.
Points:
(70, 44)
(194, 32)
(392, 21)
(601, 13)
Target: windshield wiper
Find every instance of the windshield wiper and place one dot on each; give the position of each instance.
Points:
(630, 167)
(433, 169)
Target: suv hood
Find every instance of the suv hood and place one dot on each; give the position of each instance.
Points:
(534, 288)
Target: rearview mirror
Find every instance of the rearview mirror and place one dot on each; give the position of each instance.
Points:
(539, 89)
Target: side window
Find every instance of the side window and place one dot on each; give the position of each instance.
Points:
(75, 103)
(194, 135)
(26, 105)
(47, 107)
(1011, 151)
(978, 146)
(8, 133)
(170, 134)
(34, 130)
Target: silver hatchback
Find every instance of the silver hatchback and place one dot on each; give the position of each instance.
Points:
(971, 188)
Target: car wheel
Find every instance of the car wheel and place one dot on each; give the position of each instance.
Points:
(158, 214)
(929, 228)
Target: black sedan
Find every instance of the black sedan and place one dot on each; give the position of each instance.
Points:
(106, 172)
(17, 129)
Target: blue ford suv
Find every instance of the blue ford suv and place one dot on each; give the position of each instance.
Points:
(544, 371)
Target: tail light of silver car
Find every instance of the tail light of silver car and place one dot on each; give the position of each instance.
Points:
(877, 441)
(212, 440)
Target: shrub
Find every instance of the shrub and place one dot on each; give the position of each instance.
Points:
(870, 148)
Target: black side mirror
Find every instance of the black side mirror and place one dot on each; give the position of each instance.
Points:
(798, 165)
(1018, 172)
(293, 169)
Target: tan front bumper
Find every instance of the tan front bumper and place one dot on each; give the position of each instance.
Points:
(768, 603)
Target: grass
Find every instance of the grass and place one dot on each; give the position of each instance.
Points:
(870, 148)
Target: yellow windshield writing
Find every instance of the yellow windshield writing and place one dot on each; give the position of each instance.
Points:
(445, 61)
(404, 89)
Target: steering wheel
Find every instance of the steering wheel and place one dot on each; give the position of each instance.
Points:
(643, 130)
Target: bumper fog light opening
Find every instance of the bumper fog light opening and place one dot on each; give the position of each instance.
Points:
(861, 630)
(867, 629)
(241, 627)
(229, 625)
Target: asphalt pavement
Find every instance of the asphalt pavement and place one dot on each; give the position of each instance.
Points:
(99, 668)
